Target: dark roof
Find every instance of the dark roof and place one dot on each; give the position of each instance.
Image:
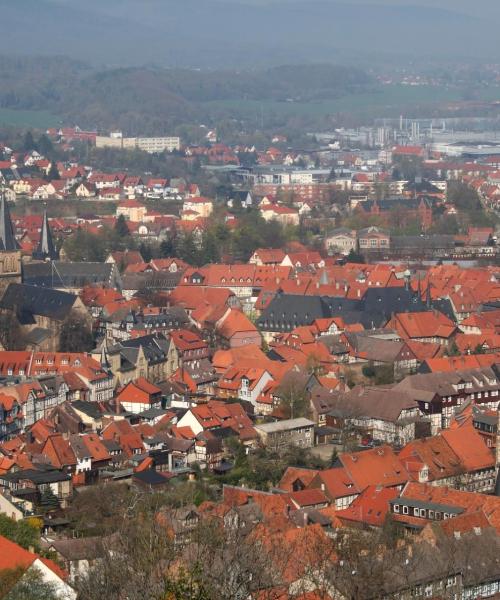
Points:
(79, 548)
(71, 275)
(150, 478)
(90, 409)
(155, 348)
(29, 300)
(423, 241)
(287, 311)
(301, 310)
(392, 203)
(38, 477)
(161, 280)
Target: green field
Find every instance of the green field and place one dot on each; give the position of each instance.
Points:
(382, 99)
(38, 119)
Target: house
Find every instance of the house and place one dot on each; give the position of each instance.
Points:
(153, 357)
(11, 417)
(373, 238)
(419, 504)
(216, 415)
(203, 207)
(16, 559)
(29, 485)
(370, 508)
(267, 256)
(289, 432)
(132, 210)
(356, 471)
(235, 329)
(377, 412)
(139, 395)
(341, 240)
(428, 326)
(439, 394)
(458, 458)
(379, 351)
(244, 383)
(77, 555)
(280, 213)
(189, 345)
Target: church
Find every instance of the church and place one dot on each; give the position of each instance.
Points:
(10, 252)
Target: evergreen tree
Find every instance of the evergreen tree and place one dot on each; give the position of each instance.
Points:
(53, 172)
(121, 228)
(29, 142)
(45, 146)
(145, 251)
(187, 250)
(210, 250)
(48, 500)
(355, 257)
(167, 248)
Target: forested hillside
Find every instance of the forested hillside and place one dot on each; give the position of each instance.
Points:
(150, 100)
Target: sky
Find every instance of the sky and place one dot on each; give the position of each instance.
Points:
(247, 33)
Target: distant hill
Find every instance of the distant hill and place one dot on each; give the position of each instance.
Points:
(224, 33)
(147, 100)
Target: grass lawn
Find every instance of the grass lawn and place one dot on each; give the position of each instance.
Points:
(377, 101)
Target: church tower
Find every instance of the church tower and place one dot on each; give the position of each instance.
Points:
(46, 249)
(10, 252)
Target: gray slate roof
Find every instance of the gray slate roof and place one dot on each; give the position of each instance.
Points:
(30, 300)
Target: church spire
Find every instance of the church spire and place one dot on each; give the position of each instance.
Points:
(8, 241)
(104, 356)
(46, 249)
(428, 299)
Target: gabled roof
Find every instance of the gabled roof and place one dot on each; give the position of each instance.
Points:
(377, 466)
(370, 507)
(13, 556)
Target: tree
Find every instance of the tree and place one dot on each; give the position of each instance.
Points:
(209, 249)
(384, 374)
(121, 228)
(145, 251)
(26, 533)
(11, 335)
(27, 585)
(45, 146)
(53, 173)
(355, 257)
(75, 335)
(29, 142)
(293, 394)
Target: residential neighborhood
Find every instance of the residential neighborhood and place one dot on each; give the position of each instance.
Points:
(249, 324)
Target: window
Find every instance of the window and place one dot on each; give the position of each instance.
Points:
(405, 510)
(396, 508)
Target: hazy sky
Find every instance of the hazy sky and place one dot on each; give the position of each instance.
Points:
(214, 33)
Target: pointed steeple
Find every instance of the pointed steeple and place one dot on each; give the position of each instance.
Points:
(104, 356)
(8, 241)
(323, 280)
(46, 249)
(428, 298)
